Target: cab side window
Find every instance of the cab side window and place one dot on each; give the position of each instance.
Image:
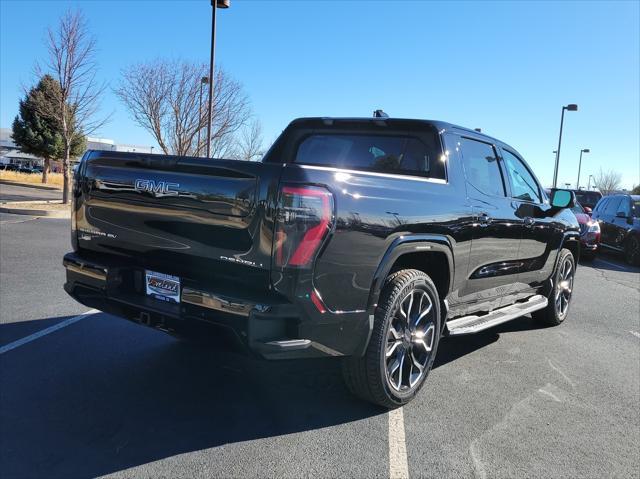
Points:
(523, 184)
(481, 167)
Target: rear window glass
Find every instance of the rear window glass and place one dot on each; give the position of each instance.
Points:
(389, 154)
(612, 206)
(600, 206)
(588, 198)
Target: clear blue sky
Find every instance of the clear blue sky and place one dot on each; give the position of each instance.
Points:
(506, 67)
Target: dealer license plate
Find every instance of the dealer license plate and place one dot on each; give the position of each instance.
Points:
(163, 286)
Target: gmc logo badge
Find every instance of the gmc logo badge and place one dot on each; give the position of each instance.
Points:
(157, 188)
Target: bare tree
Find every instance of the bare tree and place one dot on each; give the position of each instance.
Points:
(608, 182)
(250, 145)
(164, 98)
(72, 63)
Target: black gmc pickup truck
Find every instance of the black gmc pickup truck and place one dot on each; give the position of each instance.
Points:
(368, 239)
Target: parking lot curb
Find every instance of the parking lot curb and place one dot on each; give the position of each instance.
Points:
(33, 212)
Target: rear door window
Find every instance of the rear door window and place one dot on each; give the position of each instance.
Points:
(384, 153)
(481, 167)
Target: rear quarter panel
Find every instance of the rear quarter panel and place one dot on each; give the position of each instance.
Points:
(372, 210)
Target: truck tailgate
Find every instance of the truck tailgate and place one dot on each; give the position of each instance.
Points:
(186, 216)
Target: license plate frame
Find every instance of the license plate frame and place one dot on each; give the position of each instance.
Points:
(162, 286)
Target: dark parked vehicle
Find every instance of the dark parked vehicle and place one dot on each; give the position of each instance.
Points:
(10, 167)
(589, 233)
(588, 198)
(619, 219)
(367, 239)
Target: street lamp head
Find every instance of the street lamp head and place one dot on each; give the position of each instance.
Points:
(586, 150)
(221, 3)
(571, 107)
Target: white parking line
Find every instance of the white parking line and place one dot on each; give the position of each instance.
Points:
(32, 337)
(398, 465)
(635, 333)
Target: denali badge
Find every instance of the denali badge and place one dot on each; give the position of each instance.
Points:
(157, 188)
(238, 260)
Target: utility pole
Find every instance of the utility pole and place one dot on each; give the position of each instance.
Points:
(215, 4)
(569, 107)
(585, 150)
(203, 81)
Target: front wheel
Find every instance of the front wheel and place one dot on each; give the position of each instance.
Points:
(560, 296)
(403, 344)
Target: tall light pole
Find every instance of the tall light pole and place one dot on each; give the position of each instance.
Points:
(203, 81)
(215, 4)
(569, 107)
(585, 150)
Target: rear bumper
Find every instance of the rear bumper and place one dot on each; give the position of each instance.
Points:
(266, 324)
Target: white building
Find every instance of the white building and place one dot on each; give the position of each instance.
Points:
(10, 153)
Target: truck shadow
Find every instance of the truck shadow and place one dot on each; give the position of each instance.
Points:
(105, 395)
(452, 348)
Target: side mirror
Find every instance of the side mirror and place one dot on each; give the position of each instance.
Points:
(562, 199)
(587, 210)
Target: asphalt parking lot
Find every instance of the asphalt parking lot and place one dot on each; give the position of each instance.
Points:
(21, 193)
(102, 396)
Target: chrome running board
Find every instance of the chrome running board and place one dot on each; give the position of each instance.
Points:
(473, 323)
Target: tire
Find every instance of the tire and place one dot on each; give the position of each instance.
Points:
(560, 297)
(632, 251)
(389, 373)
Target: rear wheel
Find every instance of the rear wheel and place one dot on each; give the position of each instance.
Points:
(403, 342)
(632, 251)
(560, 296)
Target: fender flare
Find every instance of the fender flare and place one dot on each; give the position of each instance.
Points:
(570, 237)
(406, 244)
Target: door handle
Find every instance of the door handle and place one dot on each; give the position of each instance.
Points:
(484, 219)
(529, 221)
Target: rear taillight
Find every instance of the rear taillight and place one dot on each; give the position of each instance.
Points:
(303, 221)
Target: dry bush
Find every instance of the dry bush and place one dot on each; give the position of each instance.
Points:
(54, 179)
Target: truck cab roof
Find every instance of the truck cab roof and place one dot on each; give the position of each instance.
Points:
(399, 123)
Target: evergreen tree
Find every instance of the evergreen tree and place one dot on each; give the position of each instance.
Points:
(33, 132)
(36, 131)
